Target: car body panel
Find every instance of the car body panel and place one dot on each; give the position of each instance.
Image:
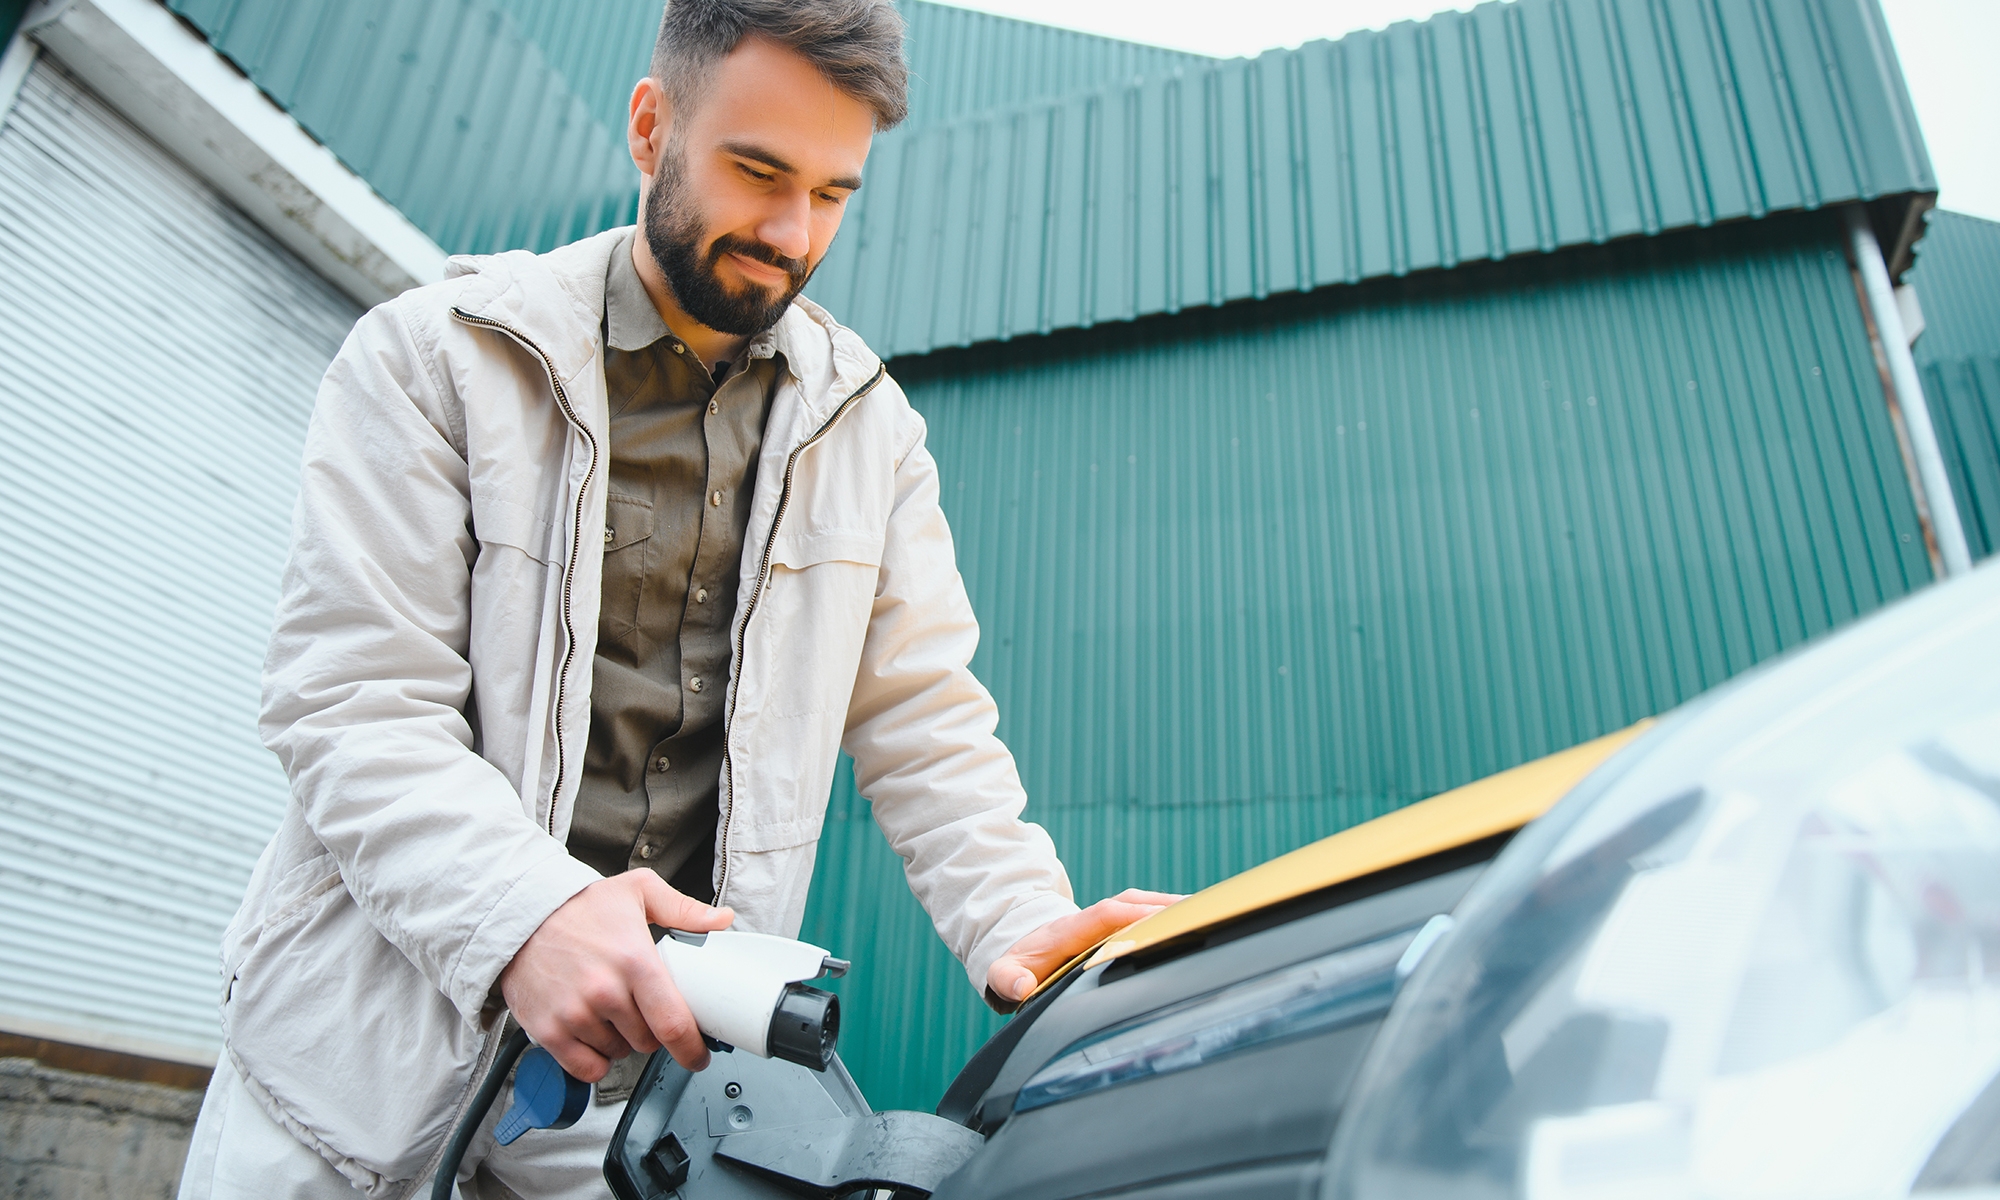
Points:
(1208, 1116)
(1493, 805)
(1264, 1111)
(1260, 1111)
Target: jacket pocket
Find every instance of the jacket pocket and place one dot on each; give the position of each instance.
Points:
(497, 521)
(811, 547)
(802, 827)
(380, 1097)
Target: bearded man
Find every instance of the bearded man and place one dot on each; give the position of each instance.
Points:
(600, 558)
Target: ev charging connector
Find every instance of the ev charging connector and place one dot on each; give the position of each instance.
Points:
(747, 991)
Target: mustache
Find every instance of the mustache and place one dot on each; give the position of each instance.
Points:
(730, 243)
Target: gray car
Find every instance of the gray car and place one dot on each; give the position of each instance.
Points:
(1755, 955)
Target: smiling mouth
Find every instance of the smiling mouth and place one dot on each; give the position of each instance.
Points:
(760, 271)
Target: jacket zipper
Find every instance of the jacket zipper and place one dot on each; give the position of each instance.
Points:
(750, 609)
(576, 538)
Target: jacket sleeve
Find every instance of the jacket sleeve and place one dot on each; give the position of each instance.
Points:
(920, 729)
(366, 680)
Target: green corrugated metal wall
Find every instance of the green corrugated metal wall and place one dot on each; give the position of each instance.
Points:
(1957, 278)
(497, 124)
(1514, 129)
(1964, 395)
(1250, 575)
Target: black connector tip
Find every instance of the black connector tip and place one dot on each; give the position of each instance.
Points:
(805, 1026)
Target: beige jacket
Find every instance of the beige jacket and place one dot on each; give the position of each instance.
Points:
(428, 691)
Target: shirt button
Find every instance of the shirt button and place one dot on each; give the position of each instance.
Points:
(694, 685)
(713, 407)
(662, 763)
(716, 500)
(701, 595)
(607, 535)
(680, 349)
(645, 849)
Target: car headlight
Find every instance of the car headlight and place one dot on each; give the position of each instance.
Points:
(1318, 996)
(1762, 962)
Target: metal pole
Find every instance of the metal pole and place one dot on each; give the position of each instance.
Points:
(1935, 504)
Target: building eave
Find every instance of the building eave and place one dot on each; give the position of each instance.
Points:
(171, 83)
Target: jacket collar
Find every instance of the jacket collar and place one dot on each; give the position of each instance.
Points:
(556, 300)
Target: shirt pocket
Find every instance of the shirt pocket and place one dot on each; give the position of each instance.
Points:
(628, 528)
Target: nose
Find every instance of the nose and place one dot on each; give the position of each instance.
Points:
(787, 228)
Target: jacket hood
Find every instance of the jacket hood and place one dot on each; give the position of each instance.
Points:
(557, 301)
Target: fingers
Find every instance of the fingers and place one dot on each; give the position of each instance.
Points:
(670, 909)
(628, 1025)
(589, 986)
(577, 1058)
(669, 1019)
(1031, 959)
(1011, 979)
(596, 1025)
(1107, 917)
(607, 1041)
(1142, 896)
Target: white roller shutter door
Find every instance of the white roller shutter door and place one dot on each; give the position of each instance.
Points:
(158, 358)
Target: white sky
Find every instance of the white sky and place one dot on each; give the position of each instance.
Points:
(1950, 51)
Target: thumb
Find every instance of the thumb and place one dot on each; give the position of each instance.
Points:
(670, 909)
(1011, 979)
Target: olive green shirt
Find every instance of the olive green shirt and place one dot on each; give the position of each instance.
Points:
(683, 466)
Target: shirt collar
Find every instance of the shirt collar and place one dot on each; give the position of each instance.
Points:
(631, 322)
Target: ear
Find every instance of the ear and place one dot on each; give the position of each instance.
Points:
(649, 124)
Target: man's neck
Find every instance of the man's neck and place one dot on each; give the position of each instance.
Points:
(709, 345)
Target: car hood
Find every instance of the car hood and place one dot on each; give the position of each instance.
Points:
(1493, 805)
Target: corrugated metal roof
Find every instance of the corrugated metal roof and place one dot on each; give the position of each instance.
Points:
(1964, 396)
(1957, 278)
(963, 62)
(1516, 128)
(496, 124)
(600, 48)
(1253, 574)
(448, 109)
(154, 388)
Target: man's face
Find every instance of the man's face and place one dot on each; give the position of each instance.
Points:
(747, 190)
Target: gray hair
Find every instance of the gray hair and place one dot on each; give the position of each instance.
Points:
(856, 44)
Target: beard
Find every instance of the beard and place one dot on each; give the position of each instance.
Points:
(674, 226)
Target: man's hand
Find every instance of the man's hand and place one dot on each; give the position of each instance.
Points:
(1033, 957)
(589, 985)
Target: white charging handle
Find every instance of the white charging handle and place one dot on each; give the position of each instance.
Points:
(733, 982)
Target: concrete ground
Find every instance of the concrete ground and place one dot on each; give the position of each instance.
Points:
(65, 1135)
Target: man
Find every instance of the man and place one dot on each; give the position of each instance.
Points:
(600, 557)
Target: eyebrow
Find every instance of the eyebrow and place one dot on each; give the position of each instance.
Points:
(756, 153)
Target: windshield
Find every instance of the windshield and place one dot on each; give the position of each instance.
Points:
(1774, 973)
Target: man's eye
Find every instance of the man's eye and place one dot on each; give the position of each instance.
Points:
(835, 198)
(754, 173)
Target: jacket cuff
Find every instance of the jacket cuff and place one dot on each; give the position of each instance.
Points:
(1021, 920)
(521, 909)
